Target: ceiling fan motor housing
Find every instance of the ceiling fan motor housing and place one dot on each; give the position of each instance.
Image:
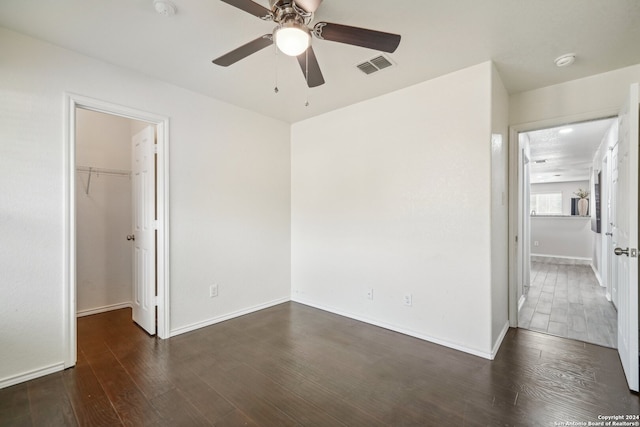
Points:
(287, 11)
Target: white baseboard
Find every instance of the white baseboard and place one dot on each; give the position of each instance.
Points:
(597, 273)
(498, 342)
(557, 259)
(399, 329)
(214, 320)
(31, 375)
(97, 310)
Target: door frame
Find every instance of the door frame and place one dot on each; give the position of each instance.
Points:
(515, 208)
(72, 102)
(605, 200)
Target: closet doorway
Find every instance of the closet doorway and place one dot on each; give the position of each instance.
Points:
(117, 221)
(104, 267)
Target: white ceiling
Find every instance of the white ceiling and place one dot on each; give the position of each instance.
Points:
(522, 37)
(557, 156)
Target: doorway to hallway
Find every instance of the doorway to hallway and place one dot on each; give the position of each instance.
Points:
(621, 147)
(563, 284)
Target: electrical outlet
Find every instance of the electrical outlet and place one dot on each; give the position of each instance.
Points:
(408, 299)
(370, 293)
(213, 291)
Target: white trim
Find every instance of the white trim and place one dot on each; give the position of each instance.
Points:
(103, 309)
(514, 219)
(33, 374)
(523, 298)
(597, 273)
(214, 320)
(69, 332)
(73, 101)
(399, 329)
(583, 260)
(498, 343)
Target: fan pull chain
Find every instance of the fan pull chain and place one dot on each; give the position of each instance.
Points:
(306, 65)
(275, 88)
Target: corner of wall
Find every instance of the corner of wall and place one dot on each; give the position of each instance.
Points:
(499, 209)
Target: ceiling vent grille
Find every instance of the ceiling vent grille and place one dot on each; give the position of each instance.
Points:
(375, 64)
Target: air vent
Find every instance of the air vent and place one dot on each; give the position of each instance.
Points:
(375, 64)
(367, 67)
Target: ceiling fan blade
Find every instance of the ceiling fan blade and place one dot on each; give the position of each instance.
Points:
(371, 39)
(309, 5)
(314, 77)
(251, 7)
(244, 51)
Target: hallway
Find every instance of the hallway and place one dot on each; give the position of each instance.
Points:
(567, 301)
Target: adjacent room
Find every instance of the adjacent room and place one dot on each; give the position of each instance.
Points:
(566, 288)
(205, 222)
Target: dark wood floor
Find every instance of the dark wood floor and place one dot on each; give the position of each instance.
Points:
(292, 365)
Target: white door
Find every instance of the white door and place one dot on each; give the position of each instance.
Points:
(625, 235)
(144, 263)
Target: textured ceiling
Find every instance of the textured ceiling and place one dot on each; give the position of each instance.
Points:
(522, 37)
(558, 156)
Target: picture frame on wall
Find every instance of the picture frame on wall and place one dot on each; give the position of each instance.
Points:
(594, 202)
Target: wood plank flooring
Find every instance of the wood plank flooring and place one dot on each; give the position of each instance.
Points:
(567, 301)
(292, 365)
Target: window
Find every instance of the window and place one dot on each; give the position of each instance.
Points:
(546, 204)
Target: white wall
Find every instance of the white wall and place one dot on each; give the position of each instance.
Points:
(561, 237)
(395, 194)
(595, 96)
(103, 214)
(229, 185)
(564, 237)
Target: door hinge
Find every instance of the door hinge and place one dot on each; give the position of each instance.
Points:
(154, 224)
(156, 300)
(155, 148)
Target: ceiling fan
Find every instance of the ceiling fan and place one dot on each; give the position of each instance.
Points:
(292, 35)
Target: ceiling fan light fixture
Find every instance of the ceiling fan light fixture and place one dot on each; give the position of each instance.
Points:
(292, 38)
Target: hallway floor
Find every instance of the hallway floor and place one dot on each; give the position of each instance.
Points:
(567, 301)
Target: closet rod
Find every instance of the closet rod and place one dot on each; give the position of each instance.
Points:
(104, 171)
(100, 171)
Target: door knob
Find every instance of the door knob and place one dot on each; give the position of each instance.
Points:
(131, 237)
(608, 234)
(620, 251)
